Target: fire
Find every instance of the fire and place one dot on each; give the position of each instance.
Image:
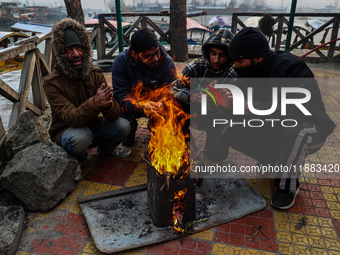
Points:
(178, 210)
(168, 148)
(168, 151)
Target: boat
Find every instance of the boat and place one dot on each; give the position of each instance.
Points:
(314, 24)
(219, 22)
(196, 33)
(13, 12)
(111, 37)
(31, 27)
(8, 39)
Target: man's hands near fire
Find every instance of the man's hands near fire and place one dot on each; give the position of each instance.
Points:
(227, 99)
(103, 97)
(152, 107)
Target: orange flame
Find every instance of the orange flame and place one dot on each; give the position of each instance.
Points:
(167, 148)
(178, 210)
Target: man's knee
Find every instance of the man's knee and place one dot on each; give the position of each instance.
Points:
(76, 140)
(123, 127)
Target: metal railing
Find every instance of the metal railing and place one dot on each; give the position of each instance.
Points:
(300, 39)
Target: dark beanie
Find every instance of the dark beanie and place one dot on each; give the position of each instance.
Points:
(70, 38)
(250, 42)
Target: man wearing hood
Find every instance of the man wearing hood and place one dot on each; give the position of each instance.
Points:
(78, 92)
(280, 145)
(146, 61)
(215, 61)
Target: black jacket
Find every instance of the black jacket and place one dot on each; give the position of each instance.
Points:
(293, 73)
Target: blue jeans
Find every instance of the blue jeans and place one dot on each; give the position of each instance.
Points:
(76, 141)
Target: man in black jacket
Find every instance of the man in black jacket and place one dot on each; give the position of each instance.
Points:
(285, 145)
(146, 62)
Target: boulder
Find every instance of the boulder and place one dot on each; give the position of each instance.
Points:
(28, 130)
(11, 226)
(40, 175)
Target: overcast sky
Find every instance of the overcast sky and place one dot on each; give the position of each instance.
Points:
(100, 4)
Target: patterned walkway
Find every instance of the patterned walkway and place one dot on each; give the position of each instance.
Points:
(311, 226)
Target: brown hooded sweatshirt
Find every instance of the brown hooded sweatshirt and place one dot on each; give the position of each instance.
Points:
(71, 93)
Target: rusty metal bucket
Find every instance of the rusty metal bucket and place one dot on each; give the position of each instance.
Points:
(161, 200)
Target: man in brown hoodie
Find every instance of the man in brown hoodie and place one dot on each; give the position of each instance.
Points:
(78, 92)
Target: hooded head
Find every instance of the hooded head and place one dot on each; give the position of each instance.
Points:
(221, 40)
(249, 43)
(251, 54)
(66, 33)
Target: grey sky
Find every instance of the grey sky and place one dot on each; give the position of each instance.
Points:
(100, 4)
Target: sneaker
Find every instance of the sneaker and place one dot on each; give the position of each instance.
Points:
(129, 140)
(121, 151)
(78, 176)
(283, 199)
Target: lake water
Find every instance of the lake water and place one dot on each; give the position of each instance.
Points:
(12, 79)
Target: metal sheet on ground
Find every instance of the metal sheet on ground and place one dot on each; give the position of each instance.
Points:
(123, 221)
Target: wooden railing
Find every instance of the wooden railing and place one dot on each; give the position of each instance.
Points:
(143, 21)
(300, 39)
(35, 67)
(99, 30)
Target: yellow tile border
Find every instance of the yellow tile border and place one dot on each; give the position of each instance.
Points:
(332, 244)
(285, 248)
(205, 235)
(299, 239)
(299, 249)
(284, 237)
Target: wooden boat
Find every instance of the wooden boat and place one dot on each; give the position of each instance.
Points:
(8, 39)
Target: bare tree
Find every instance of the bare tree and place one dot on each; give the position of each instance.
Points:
(75, 11)
(178, 30)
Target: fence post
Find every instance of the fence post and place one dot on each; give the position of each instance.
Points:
(234, 24)
(279, 32)
(24, 86)
(334, 36)
(101, 38)
(144, 23)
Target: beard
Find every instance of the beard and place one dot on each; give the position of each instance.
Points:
(147, 68)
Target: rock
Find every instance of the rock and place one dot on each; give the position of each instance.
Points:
(46, 117)
(40, 175)
(11, 226)
(28, 130)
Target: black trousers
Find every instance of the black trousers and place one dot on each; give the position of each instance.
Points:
(286, 146)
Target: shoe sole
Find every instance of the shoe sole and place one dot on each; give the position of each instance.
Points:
(121, 156)
(287, 206)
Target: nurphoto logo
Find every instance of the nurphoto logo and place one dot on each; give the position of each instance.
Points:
(283, 97)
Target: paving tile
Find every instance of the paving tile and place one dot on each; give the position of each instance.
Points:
(112, 171)
(284, 237)
(299, 249)
(284, 248)
(90, 248)
(205, 235)
(220, 249)
(184, 246)
(222, 237)
(138, 176)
